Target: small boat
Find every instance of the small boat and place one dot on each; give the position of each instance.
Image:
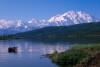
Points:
(12, 49)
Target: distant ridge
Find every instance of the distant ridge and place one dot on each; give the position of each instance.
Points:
(79, 30)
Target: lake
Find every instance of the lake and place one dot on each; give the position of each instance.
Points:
(29, 53)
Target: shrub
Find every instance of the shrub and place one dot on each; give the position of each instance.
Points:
(68, 58)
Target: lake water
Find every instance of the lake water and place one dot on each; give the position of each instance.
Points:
(30, 52)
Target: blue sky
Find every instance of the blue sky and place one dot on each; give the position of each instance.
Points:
(44, 9)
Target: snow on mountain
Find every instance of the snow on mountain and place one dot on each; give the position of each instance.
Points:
(68, 18)
(5, 24)
(72, 17)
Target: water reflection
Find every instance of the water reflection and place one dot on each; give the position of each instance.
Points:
(33, 47)
(28, 55)
(30, 51)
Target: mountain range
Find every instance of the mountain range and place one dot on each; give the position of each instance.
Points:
(65, 19)
(78, 30)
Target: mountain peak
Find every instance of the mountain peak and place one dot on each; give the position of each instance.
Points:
(75, 16)
(65, 19)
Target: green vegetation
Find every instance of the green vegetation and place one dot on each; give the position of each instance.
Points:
(78, 56)
(79, 30)
(60, 32)
(8, 37)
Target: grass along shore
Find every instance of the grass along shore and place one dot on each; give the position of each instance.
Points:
(78, 56)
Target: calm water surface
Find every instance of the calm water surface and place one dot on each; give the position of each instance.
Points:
(29, 53)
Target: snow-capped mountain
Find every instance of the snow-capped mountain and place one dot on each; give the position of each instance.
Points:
(68, 18)
(72, 17)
